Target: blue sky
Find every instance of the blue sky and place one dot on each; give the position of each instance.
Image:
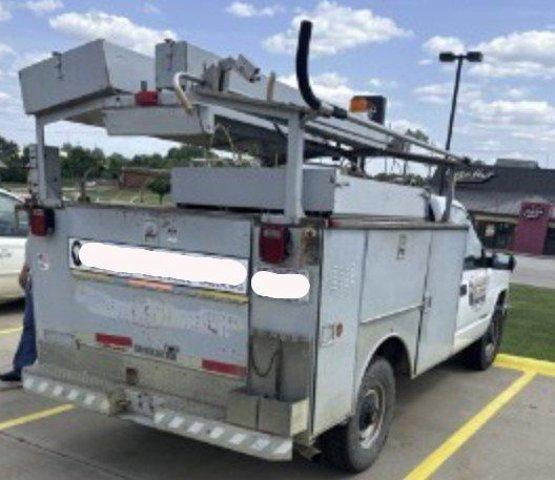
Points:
(378, 46)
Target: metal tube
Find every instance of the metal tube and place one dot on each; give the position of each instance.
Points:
(278, 110)
(447, 178)
(293, 210)
(41, 170)
(180, 93)
(413, 141)
(454, 103)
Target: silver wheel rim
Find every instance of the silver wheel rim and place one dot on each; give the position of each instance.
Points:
(371, 415)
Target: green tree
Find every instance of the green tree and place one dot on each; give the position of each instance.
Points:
(81, 163)
(161, 186)
(14, 169)
(418, 134)
(114, 164)
(147, 161)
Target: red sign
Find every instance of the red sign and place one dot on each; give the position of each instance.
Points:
(532, 227)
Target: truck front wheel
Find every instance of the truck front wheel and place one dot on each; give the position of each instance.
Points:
(481, 354)
(355, 445)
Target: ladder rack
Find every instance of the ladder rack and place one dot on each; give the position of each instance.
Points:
(201, 99)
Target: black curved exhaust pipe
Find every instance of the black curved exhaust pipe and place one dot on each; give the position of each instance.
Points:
(303, 52)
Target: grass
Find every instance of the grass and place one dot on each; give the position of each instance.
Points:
(530, 328)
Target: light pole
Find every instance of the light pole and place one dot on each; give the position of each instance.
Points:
(450, 57)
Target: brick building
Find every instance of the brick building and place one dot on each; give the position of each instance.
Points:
(513, 205)
(139, 177)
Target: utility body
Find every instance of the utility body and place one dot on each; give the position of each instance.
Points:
(272, 306)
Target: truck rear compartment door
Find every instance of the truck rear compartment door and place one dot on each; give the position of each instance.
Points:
(171, 313)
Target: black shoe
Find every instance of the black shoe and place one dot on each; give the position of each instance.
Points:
(12, 376)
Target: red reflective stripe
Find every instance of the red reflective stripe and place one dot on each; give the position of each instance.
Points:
(164, 287)
(115, 340)
(226, 368)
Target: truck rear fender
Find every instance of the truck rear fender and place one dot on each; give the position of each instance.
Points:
(394, 349)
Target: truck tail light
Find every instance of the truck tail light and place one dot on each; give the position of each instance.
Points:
(41, 221)
(146, 98)
(274, 243)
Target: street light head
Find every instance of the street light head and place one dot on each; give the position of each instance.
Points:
(447, 57)
(475, 57)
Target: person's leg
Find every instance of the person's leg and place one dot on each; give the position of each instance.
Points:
(26, 353)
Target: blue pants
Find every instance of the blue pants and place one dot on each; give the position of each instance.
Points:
(27, 350)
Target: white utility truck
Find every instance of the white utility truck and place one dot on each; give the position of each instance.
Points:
(273, 306)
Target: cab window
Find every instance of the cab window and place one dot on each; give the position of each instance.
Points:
(473, 254)
(12, 223)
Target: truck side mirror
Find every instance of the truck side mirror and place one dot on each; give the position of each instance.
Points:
(512, 263)
(503, 261)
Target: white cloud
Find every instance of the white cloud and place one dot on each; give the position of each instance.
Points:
(25, 59)
(3, 96)
(401, 125)
(436, 45)
(521, 113)
(543, 136)
(5, 13)
(519, 54)
(336, 28)
(380, 83)
(40, 7)
(115, 28)
(441, 93)
(329, 86)
(150, 8)
(516, 93)
(246, 10)
(5, 50)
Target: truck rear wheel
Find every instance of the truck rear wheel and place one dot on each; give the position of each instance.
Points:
(355, 446)
(481, 354)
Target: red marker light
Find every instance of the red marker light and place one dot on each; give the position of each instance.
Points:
(274, 243)
(41, 221)
(146, 98)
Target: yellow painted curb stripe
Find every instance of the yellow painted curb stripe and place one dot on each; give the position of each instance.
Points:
(35, 416)
(542, 367)
(9, 331)
(436, 459)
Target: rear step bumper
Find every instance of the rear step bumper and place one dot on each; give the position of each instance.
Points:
(215, 432)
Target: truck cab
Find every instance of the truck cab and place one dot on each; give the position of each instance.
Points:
(484, 285)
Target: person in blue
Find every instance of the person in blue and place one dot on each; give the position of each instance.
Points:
(26, 353)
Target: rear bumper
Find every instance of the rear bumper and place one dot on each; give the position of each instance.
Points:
(122, 403)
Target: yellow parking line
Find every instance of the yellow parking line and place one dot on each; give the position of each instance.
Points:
(436, 459)
(35, 416)
(9, 331)
(541, 367)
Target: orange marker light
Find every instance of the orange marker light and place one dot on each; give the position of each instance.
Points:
(359, 104)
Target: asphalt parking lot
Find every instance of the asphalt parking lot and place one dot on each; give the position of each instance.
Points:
(450, 424)
(535, 271)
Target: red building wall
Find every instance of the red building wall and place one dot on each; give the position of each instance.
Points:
(532, 226)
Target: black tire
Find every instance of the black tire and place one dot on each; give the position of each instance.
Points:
(354, 446)
(481, 354)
